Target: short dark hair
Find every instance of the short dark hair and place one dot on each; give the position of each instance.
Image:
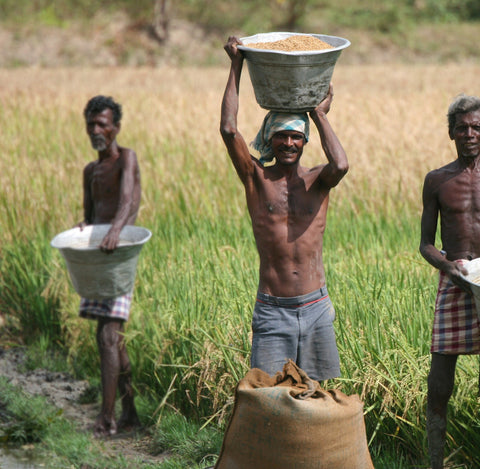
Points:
(100, 103)
(461, 105)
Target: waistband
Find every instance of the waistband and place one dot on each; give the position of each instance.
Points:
(294, 301)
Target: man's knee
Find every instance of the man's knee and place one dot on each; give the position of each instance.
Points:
(440, 385)
(109, 334)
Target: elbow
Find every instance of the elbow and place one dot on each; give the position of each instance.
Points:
(341, 162)
(228, 125)
(421, 249)
(227, 131)
(342, 169)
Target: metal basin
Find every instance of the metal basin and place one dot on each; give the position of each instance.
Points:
(473, 278)
(94, 273)
(294, 81)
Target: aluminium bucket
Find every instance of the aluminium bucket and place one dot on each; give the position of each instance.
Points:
(96, 274)
(295, 81)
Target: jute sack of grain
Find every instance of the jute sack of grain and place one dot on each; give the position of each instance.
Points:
(289, 421)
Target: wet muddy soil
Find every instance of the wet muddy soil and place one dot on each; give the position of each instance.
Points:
(64, 392)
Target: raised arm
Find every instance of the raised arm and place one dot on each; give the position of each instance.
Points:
(337, 166)
(236, 145)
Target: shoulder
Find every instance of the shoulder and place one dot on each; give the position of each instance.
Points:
(437, 179)
(127, 153)
(317, 174)
(315, 170)
(260, 169)
(441, 174)
(89, 167)
(128, 157)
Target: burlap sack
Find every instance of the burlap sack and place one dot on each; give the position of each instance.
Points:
(288, 421)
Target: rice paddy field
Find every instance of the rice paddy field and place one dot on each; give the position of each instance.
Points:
(189, 333)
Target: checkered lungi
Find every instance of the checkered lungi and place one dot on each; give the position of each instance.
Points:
(115, 308)
(456, 328)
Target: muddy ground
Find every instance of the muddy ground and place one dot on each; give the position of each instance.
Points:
(61, 390)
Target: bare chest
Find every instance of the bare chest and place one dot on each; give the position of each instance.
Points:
(295, 199)
(105, 179)
(461, 194)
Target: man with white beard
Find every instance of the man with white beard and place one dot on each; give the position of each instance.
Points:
(111, 195)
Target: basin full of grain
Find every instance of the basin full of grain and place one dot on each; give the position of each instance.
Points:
(291, 72)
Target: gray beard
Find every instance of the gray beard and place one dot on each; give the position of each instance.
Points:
(99, 144)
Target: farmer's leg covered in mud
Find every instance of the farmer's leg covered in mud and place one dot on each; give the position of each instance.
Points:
(109, 339)
(440, 387)
(129, 418)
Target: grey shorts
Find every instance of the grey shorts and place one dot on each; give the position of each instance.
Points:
(298, 328)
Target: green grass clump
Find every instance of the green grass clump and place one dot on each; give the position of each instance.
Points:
(186, 441)
(23, 419)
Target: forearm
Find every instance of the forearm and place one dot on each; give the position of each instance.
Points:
(122, 214)
(230, 102)
(332, 147)
(434, 256)
(455, 271)
(111, 239)
(88, 213)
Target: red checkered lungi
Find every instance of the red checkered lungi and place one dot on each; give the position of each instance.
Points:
(115, 308)
(456, 328)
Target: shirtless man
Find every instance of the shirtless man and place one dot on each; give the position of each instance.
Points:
(293, 316)
(111, 195)
(453, 192)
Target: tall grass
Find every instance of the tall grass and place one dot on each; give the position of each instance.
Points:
(188, 335)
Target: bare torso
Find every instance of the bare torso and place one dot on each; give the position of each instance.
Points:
(103, 179)
(288, 216)
(452, 193)
(457, 190)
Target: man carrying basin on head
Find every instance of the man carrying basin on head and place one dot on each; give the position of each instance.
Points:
(111, 195)
(293, 315)
(453, 193)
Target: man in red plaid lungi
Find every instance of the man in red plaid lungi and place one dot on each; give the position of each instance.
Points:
(111, 195)
(453, 193)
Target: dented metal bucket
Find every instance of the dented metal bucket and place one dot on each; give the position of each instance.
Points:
(94, 273)
(294, 81)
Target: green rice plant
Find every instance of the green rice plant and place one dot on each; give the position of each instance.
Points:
(186, 440)
(24, 279)
(205, 344)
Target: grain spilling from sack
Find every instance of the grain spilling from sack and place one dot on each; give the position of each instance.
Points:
(293, 44)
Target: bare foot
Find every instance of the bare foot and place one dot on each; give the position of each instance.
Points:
(128, 421)
(104, 427)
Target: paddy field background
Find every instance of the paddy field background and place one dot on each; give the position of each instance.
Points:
(189, 333)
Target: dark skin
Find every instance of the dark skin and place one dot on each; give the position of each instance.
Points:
(453, 193)
(111, 184)
(286, 201)
(111, 188)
